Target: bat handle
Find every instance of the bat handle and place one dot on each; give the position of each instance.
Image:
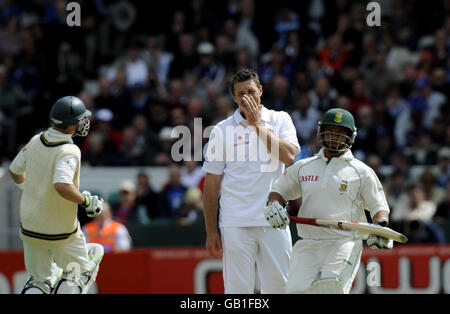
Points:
(305, 221)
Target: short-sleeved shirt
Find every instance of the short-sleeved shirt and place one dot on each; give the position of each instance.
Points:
(65, 166)
(339, 189)
(248, 168)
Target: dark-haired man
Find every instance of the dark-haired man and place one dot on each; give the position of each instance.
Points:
(246, 153)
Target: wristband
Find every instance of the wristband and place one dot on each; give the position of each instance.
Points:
(87, 201)
(383, 222)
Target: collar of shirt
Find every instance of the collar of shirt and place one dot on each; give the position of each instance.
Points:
(52, 135)
(348, 155)
(265, 116)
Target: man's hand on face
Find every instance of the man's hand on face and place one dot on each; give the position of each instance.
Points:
(251, 110)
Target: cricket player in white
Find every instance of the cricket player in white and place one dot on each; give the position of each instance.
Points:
(47, 169)
(332, 185)
(246, 153)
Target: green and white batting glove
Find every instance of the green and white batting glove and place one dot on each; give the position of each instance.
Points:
(93, 204)
(276, 215)
(380, 243)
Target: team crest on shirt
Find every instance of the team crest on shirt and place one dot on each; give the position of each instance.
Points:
(344, 186)
(338, 117)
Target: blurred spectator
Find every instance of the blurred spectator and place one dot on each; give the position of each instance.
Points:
(224, 52)
(131, 152)
(367, 135)
(275, 63)
(191, 211)
(191, 174)
(102, 141)
(434, 101)
(146, 195)
(440, 82)
(431, 190)
(374, 162)
(333, 55)
(105, 98)
(323, 96)
(278, 97)
(156, 59)
(352, 37)
(395, 103)
(413, 205)
(419, 231)
(224, 109)
(305, 118)
(10, 41)
(163, 157)
(443, 167)
(128, 211)
(395, 187)
(408, 79)
(172, 194)
(360, 96)
(443, 209)
(176, 95)
(68, 69)
(399, 58)
(208, 69)
(400, 163)
(135, 67)
(380, 78)
(440, 49)
(409, 121)
(9, 95)
(185, 57)
(140, 99)
(112, 235)
(122, 95)
(286, 20)
(241, 37)
(423, 151)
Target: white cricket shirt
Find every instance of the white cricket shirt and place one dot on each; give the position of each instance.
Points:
(336, 190)
(249, 170)
(65, 166)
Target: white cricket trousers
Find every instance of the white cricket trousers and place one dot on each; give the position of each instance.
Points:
(242, 247)
(39, 260)
(323, 259)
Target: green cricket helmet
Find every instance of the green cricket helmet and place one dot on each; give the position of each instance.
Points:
(70, 110)
(336, 142)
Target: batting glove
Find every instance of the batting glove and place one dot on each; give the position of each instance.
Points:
(93, 204)
(276, 215)
(380, 243)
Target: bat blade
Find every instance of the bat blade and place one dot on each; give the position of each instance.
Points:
(361, 227)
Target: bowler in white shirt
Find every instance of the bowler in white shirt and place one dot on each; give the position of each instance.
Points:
(246, 153)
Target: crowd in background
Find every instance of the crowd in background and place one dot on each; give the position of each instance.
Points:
(143, 69)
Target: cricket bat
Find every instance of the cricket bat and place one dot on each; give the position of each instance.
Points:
(361, 227)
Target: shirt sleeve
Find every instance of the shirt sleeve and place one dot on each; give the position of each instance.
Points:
(288, 131)
(214, 153)
(123, 242)
(18, 164)
(65, 169)
(373, 195)
(288, 185)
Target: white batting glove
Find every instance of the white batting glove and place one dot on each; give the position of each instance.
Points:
(276, 215)
(93, 204)
(379, 243)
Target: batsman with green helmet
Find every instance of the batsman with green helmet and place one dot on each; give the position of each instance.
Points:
(47, 169)
(336, 186)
